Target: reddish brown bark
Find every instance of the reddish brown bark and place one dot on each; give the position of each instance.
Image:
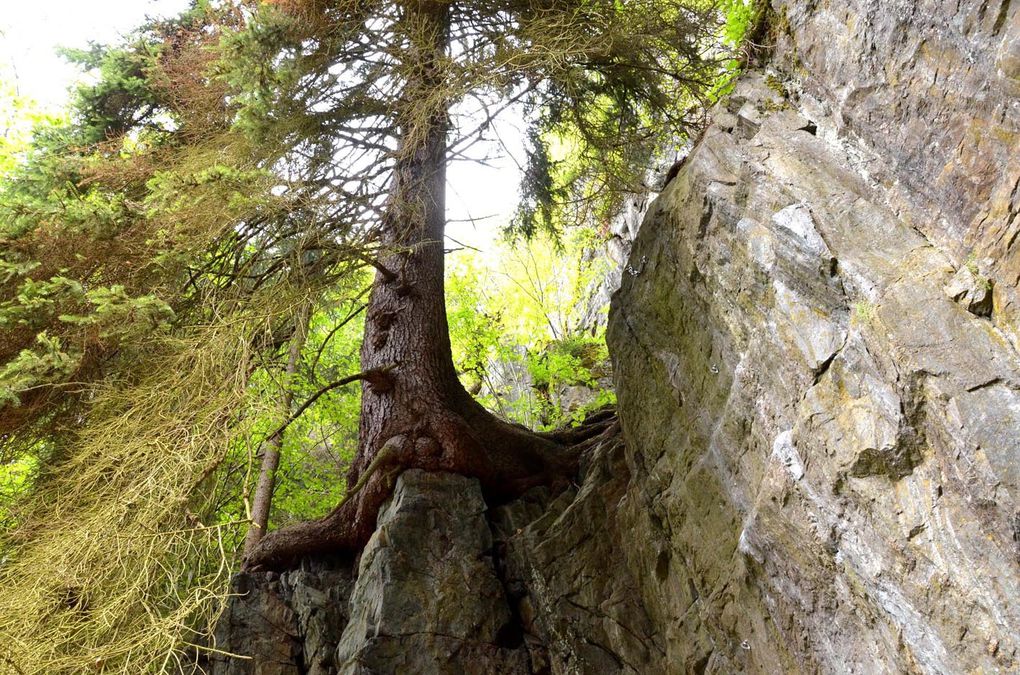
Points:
(418, 410)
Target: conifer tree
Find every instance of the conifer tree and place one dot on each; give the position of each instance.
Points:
(225, 170)
(378, 83)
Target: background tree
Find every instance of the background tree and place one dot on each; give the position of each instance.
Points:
(152, 259)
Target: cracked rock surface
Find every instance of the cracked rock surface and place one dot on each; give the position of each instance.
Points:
(425, 598)
(819, 398)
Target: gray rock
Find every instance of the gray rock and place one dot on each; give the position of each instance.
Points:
(1009, 58)
(579, 600)
(428, 599)
(968, 288)
(821, 436)
(286, 624)
(930, 91)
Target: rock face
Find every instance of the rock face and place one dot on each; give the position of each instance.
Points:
(425, 598)
(822, 423)
(581, 604)
(927, 95)
(815, 353)
(286, 624)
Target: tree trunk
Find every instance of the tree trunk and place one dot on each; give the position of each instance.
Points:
(406, 323)
(262, 500)
(414, 410)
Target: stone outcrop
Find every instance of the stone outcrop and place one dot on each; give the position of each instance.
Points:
(927, 95)
(428, 598)
(424, 598)
(827, 444)
(284, 624)
(822, 419)
(815, 353)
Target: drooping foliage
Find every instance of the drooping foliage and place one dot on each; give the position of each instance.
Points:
(223, 169)
(152, 255)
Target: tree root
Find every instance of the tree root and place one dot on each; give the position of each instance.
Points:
(506, 468)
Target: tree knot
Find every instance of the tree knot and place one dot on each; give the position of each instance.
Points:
(380, 380)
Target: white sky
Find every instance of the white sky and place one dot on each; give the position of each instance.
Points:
(31, 31)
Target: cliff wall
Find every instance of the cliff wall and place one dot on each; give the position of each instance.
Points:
(817, 364)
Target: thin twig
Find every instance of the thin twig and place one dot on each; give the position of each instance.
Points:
(328, 388)
(344, 322)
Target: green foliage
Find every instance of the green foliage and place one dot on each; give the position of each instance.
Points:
(111, 554)
(16, 479)
(132, 89)
(36, 300)
(109, 314)
(122, 97)
(319, 446)
(645, 81)
(116, 314)
(19, 115)
(576, 362)
(522, 333)
(568, 361)
(863, 312)
(541, 189)
(144, 260)
(740, 20)
(31, 368)
(740, 16)
(220, 170)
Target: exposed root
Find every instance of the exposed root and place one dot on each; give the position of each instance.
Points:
(506, 460)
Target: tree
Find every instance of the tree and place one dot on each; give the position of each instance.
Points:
(606, 71)
(223, 170)
(263, 497)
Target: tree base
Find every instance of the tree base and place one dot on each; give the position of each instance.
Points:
(506, 459)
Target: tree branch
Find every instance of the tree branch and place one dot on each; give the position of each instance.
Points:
(375, 375)
(336, 328)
